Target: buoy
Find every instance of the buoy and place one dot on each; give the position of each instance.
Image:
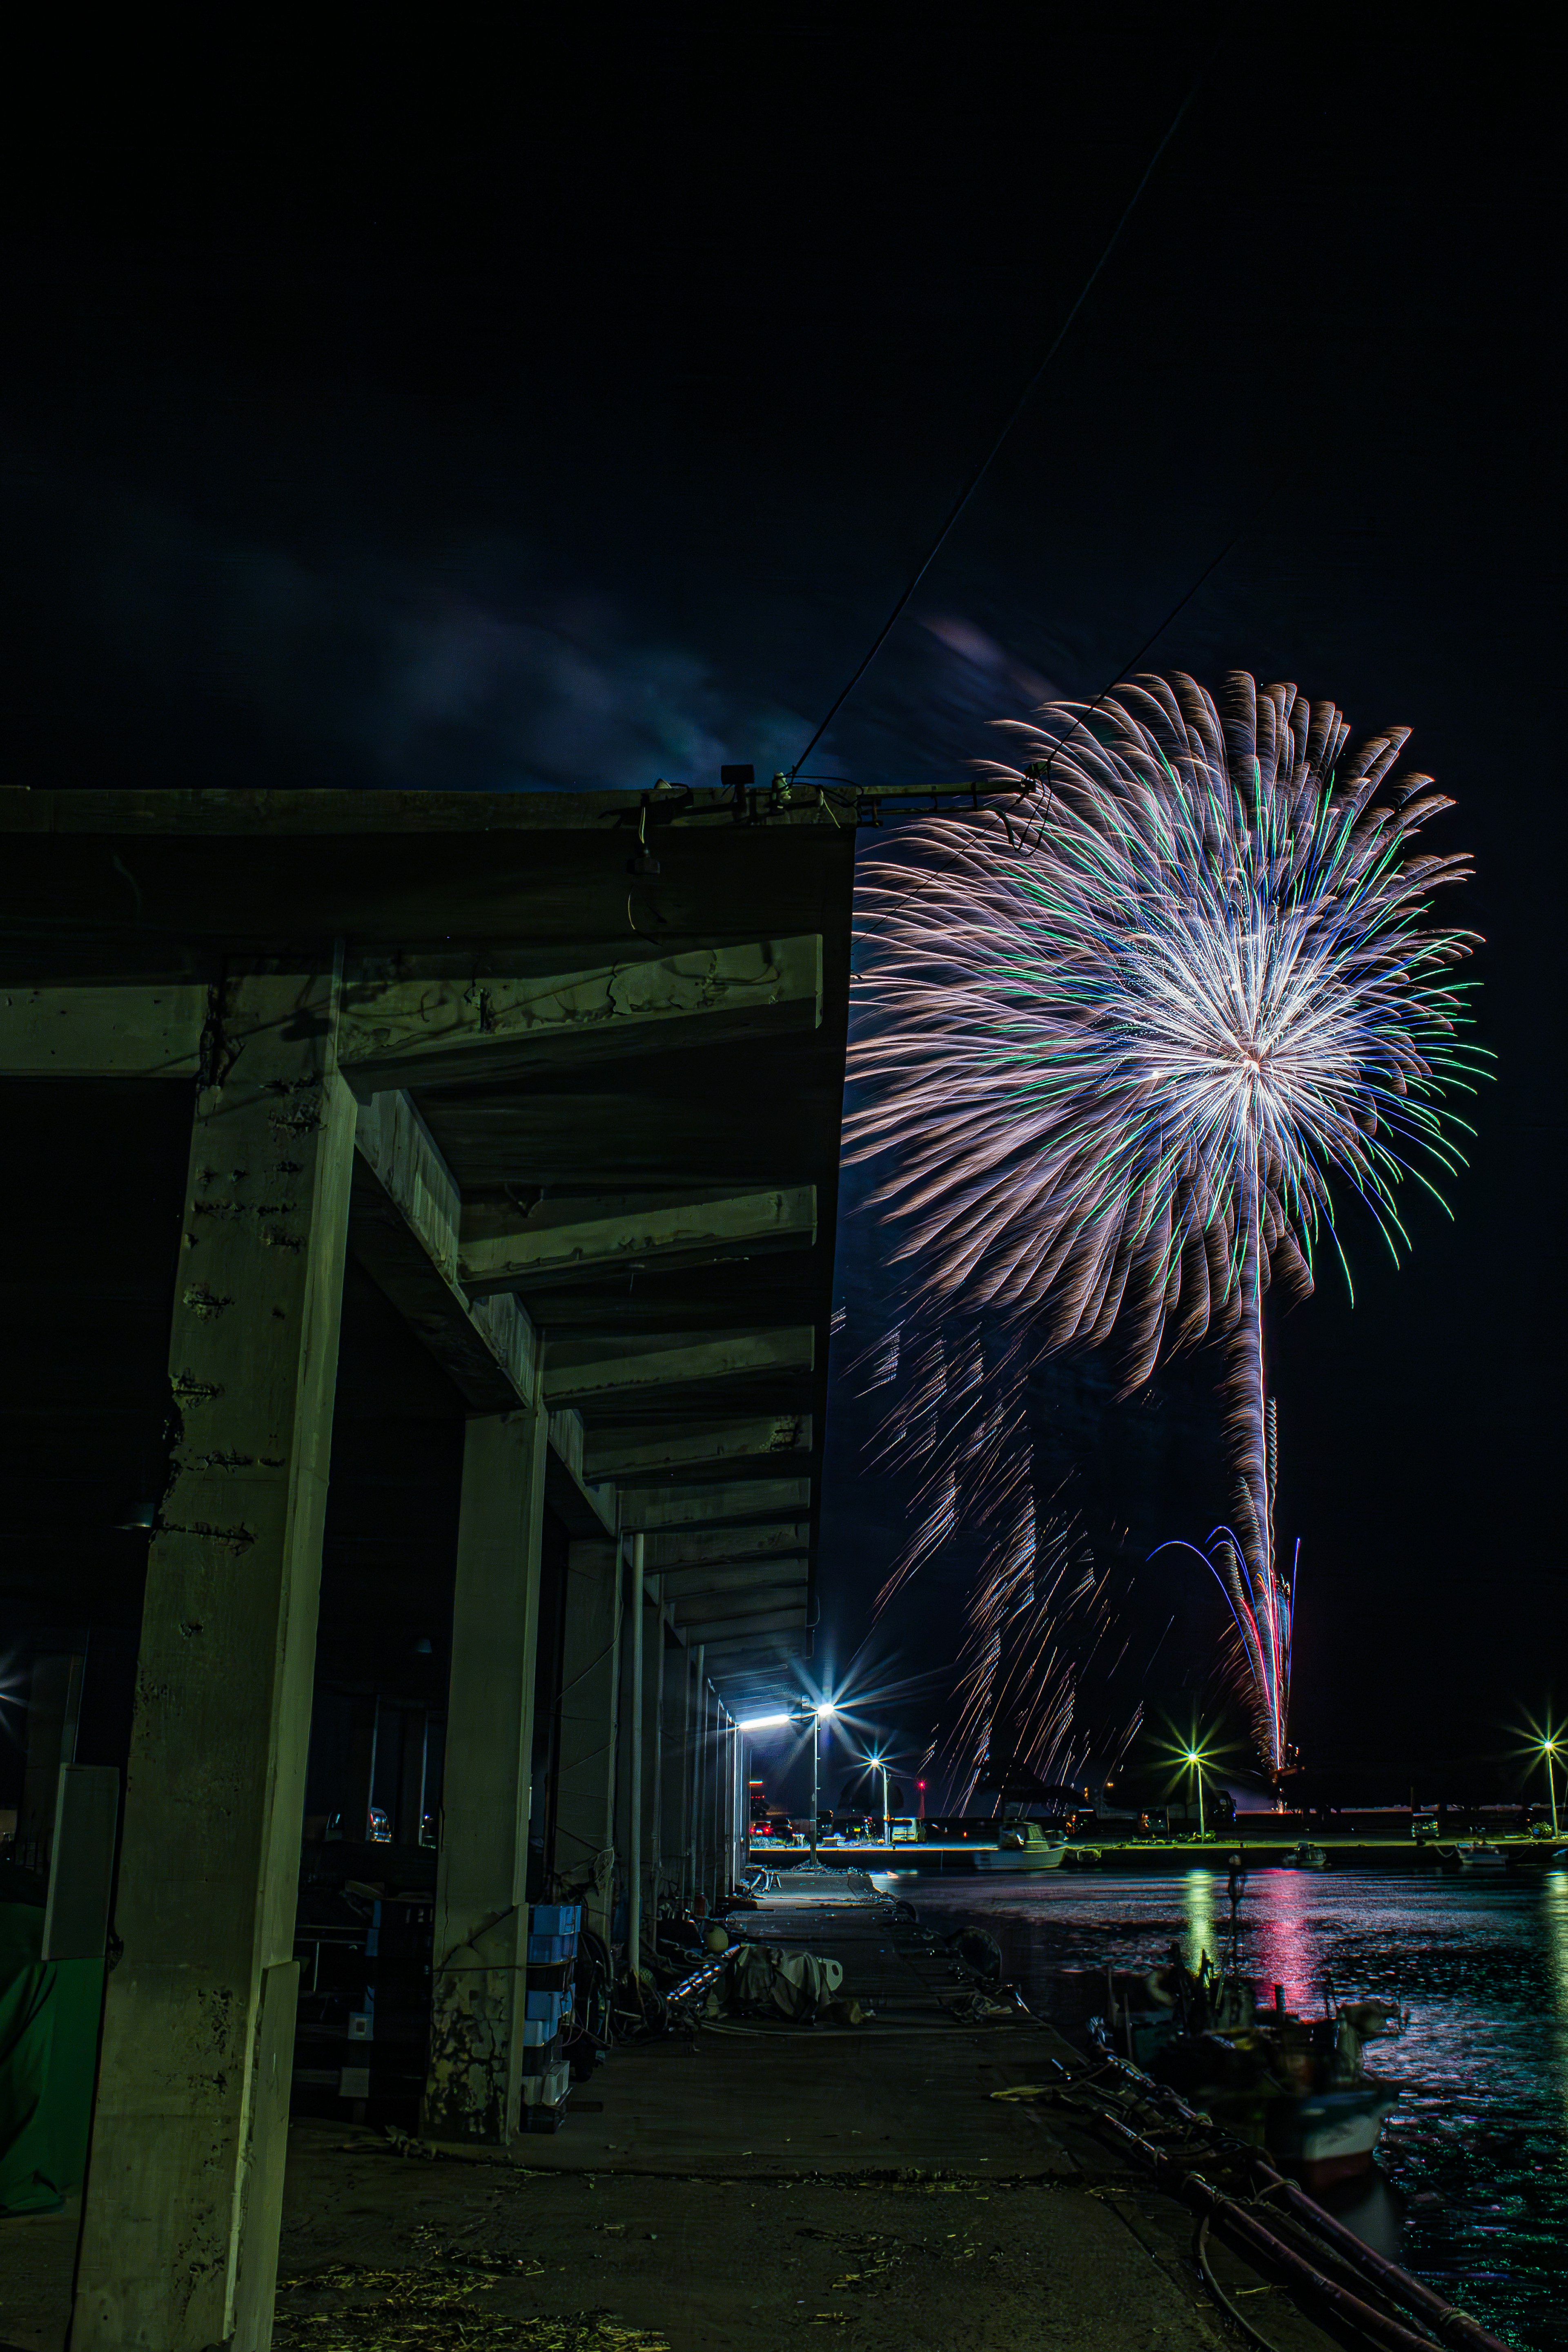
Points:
(717, 1940)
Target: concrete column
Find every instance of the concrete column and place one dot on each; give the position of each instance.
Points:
(696, 1776)
(652, 1764)
(590, 1720)
(480, 1946)
(737, 1810)
(676, 1769)
(185, 2185)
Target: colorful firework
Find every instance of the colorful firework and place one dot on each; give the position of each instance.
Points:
(1120, 1042)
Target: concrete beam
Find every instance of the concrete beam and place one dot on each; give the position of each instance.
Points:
(562, 1241)
(436, 1030)
(727, 1548)
(578, 1372)
(677, 1584)
(736, 1657)
(718, 1631)
(131, 1030)
(585, 1510)
(405, 1234)
(738, 1503)
(732, 1613)
(712, 1450)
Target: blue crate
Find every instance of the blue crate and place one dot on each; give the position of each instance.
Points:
(545, 1951)
(550, 2006)
(540, 2032)
(554, 1919)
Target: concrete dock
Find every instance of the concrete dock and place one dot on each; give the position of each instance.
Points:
(759, 2185)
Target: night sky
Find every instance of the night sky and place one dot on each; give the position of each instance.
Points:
(571, 410)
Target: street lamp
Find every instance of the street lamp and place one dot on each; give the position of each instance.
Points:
(1549, 1749)
(878, 1763)
(806, 1714)
(1196, 1760)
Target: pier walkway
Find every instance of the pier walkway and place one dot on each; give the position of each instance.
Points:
(759, 2187)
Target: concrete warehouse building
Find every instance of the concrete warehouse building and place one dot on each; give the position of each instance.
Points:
(418, 1308)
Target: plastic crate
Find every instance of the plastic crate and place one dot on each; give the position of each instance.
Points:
(554, 1919)
(544, 1951)
(541, 2045)
(549, 2089)
(547, 2007)
(540, 2119)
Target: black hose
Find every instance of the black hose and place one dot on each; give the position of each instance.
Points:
(1200, 2256)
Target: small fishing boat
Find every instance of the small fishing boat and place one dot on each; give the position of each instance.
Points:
(1022, 1846)
(1307, 1856)
(1294, 2085)
(1472, 1857)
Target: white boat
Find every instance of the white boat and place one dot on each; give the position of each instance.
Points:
(1472, 1857)
(1021, 1845)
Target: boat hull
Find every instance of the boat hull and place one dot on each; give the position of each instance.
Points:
(1020, 1858)
(1329, 2135)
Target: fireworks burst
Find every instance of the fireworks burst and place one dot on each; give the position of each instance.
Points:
(1121, 1041)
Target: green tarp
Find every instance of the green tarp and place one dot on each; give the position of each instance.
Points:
(48, 2045)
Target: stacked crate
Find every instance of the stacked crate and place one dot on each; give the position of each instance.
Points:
(363, 2020)
(552, 1931)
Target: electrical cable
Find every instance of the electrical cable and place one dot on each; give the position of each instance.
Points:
(983, 468)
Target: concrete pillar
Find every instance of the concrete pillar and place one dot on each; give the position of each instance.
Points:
(696, 1776)
(590, 1719)
(185, 2184)
(481, 1946)
(652, 1766)
(674, 1809)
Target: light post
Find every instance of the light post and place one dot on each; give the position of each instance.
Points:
(805, 1714)
(878, 1763)
(1549, 1748)
(1197, 1763)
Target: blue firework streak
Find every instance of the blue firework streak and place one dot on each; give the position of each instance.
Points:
(1124, 1039)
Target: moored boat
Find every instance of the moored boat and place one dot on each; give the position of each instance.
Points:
(1022, 1846)
(1472, 1857)
(1296, 2086)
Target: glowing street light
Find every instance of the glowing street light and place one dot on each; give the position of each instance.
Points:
(1551, 1748)
(1194, 1758)
(813, 1714)
(878, 1763)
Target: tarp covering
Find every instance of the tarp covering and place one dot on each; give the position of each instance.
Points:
(49, 2045)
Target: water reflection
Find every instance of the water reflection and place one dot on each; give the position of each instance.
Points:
(1554, 1911)
(1200, 1935)
(1476, 2154)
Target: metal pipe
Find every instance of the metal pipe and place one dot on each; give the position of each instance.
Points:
(1446, 2321)
(634, 1856)
(1196, 2191)
(815, 1745)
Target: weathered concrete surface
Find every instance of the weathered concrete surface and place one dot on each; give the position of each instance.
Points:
(743, 2190)
(185, 2170)
(481, 1915)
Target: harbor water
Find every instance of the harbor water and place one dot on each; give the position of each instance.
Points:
(1472, 2191)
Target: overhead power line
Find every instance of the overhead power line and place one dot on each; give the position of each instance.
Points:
(1030, 388)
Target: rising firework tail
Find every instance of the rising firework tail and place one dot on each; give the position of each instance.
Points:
(1122, 1042)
